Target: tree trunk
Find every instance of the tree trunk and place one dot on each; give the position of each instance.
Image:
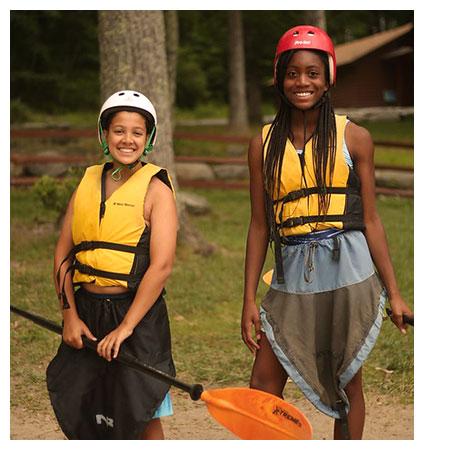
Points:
(171, 21)
(133, 56)
(238, 119)
(316, 18)
(254, 98)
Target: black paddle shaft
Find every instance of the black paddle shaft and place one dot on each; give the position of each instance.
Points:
(194, 390)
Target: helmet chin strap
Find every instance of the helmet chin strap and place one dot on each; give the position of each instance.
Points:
(116, 175)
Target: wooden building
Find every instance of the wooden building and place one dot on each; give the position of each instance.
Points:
(377, 70)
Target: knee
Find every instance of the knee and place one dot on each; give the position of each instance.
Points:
(354, 387)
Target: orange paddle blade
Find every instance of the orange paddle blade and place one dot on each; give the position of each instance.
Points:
(267, 277)
(253, 414)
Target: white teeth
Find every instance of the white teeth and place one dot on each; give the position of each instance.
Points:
(303, 94)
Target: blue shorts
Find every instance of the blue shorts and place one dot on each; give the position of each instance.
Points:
(165, 408)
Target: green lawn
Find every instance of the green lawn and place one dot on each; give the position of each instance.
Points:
(204, 299)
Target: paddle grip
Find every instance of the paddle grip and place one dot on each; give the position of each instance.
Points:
(194, 390)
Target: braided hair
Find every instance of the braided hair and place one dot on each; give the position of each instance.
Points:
(323, 143)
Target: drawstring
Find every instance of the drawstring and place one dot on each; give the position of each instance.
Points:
(309, 262)
(311, 253)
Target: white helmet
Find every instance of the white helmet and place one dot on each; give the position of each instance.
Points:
(128, 101)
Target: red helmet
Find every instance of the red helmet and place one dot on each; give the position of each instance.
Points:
(307, 37)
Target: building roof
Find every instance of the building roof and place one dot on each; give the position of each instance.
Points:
(354, 50)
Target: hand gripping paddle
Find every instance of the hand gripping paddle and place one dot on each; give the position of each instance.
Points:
(248, 413)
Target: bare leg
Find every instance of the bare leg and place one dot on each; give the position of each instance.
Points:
(153, 431)
(268, 374)
(357, 413)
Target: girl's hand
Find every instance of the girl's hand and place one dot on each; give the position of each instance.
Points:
(109, 346)
(399, 308)
(73, 329)
(250, 319)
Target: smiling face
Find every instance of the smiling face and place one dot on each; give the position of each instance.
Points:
(126, 136)
(305, 80)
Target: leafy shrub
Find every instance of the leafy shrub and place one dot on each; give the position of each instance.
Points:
(20, 112)
(54, 194)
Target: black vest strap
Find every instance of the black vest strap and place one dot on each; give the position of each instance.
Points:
(92, 245)
(300, 193)
(301, 220)
(89, 270)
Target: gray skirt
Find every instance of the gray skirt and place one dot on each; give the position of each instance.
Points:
(324, 320)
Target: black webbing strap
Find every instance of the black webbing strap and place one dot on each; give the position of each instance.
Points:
(302, 220)
(92, 245)
(278, 258)
(340, 405)
(89, 270)
(103, 191)
(304, 192)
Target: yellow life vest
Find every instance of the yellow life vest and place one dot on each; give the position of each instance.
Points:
(296, 207)
(110, 236)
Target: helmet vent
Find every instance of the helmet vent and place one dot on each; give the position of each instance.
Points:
(136, 95)
(122, 93)
(310, 33)
(295, 33)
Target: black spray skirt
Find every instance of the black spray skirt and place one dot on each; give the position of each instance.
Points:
(96, 399)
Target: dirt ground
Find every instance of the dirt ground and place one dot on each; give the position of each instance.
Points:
(386, 418)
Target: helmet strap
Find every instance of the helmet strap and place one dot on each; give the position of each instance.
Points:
(149, 144)
(116, 173)
(104, 144)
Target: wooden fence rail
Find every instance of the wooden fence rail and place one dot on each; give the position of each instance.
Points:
(47, 133)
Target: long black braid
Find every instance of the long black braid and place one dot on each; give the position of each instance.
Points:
(323, 143)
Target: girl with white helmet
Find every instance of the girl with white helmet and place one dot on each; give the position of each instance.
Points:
(117, 247)
(312, 195)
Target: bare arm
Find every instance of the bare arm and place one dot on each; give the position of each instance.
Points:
(257, 242)
(361, 148)
(73, 328)
(163, 236)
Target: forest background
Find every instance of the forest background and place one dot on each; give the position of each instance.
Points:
(55, 56)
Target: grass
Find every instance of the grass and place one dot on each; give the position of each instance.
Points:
(391, 130)
(204, 293)
(204, 299)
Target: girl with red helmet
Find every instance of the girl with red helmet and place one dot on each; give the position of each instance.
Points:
(117, 246)
(312, 195)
